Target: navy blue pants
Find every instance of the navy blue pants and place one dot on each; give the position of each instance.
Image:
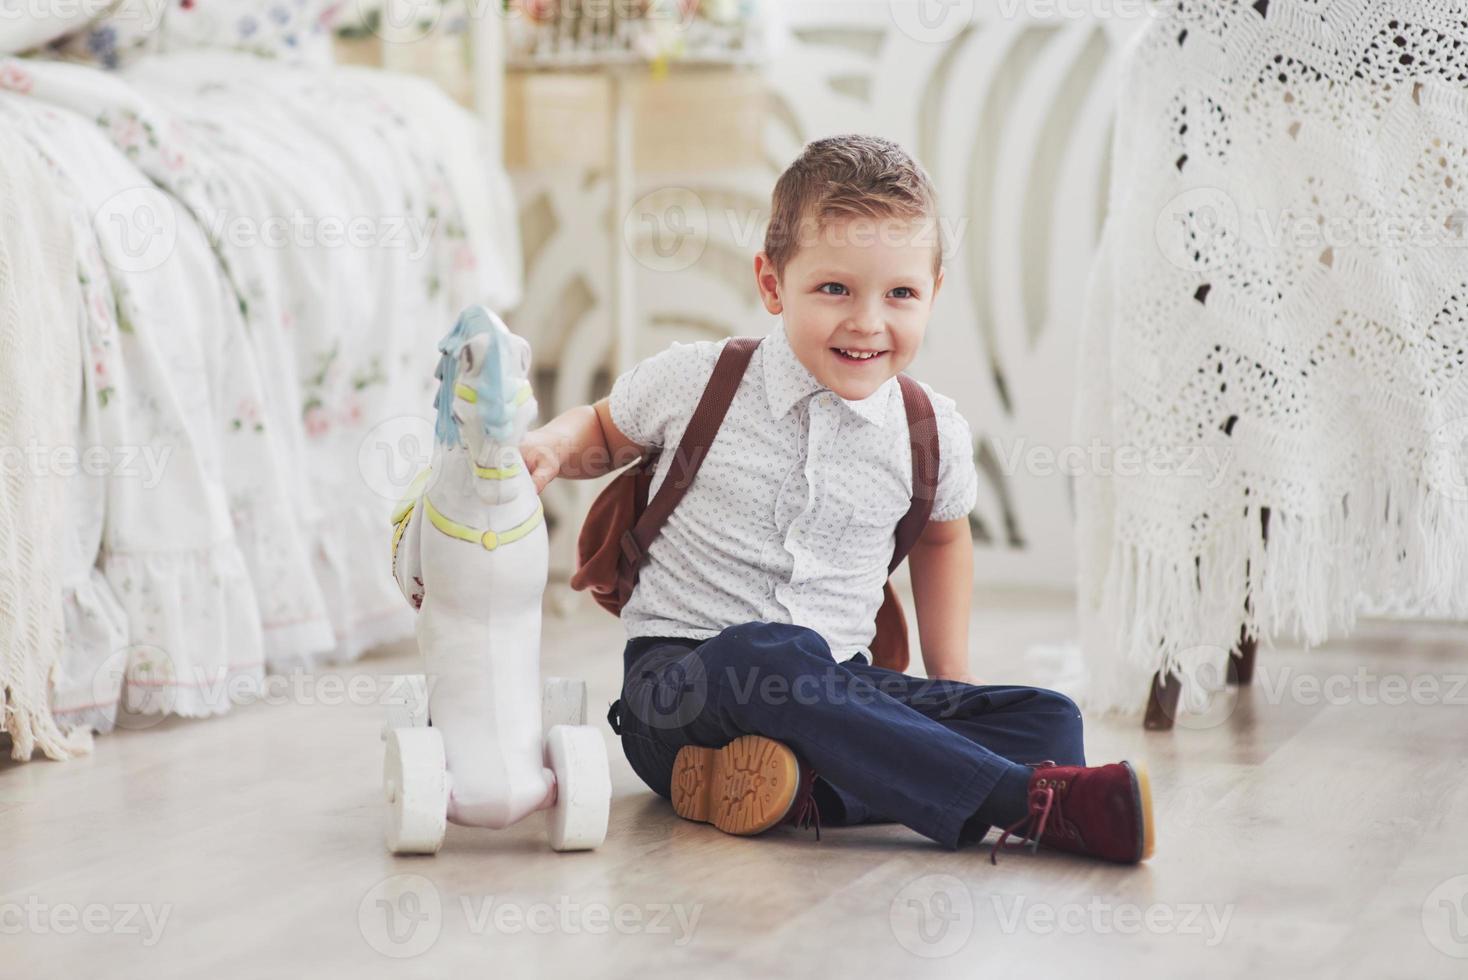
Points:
(886, 747)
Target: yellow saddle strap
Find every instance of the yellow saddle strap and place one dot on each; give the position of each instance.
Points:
(409, 498)
(472, 397)
(490, 539)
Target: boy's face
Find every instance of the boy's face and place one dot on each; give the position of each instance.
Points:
(860, 287)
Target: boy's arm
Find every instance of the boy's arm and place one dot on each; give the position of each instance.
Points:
(942, 568)
(579, 444)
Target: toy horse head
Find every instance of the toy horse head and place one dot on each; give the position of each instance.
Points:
(484, 400)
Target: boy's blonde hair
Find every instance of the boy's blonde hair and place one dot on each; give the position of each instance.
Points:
(853, 176)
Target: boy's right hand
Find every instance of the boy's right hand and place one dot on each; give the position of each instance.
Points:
(541, 459)
(581, 443)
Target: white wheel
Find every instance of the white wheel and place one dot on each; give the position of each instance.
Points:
(415, 783)
(562, 702)
(406, 703)
(578, 757)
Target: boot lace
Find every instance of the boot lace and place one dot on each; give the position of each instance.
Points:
(1041, 802)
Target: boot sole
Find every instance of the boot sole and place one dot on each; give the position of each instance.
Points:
(744, 788)
(1142, 787)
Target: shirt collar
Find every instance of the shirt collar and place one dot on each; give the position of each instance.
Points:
(787, 382)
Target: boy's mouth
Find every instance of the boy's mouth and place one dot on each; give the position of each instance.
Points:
(857, 355)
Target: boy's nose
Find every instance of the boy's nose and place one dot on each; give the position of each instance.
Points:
(867, 320)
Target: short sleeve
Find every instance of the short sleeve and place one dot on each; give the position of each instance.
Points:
(958, 479)
(653, 402)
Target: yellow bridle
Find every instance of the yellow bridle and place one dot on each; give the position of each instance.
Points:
(472, 397)
(490, 539)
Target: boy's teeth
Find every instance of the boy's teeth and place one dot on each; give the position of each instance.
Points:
(857, 355)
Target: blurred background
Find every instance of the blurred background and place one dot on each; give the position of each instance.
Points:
(1008, 106)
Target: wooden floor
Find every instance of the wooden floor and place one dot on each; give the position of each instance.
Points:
(1300, 834)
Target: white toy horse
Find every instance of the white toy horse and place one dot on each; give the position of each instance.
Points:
(470, 550)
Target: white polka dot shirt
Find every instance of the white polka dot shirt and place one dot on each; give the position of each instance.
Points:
(792, 517)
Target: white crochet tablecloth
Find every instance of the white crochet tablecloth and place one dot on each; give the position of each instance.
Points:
(1277, 320)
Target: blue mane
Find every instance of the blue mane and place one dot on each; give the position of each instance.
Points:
(495, 411)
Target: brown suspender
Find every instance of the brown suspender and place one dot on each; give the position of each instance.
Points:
(703, 428)
(698, 437)
(922, 434)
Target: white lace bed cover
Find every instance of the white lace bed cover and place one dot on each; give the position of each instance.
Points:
(38, 353)
(1277, 321)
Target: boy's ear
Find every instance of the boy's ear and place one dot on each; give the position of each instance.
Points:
(769, 284)
(938, 283)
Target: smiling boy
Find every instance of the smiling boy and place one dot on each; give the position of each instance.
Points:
(749, 699)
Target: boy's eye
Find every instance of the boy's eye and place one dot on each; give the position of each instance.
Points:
(826, 287)
(904, 292)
